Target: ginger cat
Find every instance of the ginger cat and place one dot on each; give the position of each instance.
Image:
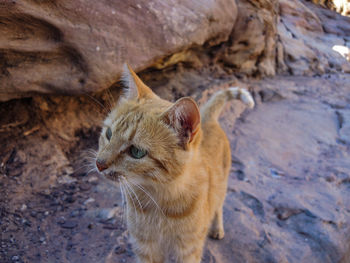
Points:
(172, 163)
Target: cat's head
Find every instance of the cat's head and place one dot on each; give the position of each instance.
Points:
(146, 139)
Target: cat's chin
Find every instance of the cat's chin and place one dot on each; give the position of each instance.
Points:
(112, 176)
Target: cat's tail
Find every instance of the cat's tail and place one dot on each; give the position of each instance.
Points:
(213, 108)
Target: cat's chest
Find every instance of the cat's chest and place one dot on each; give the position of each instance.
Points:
(155, 226)
(149, 222)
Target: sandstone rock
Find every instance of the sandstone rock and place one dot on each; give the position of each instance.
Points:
(78, 47)
(288, 197)
(343, 118)
(341, 6)
(252, 45)
(308, 35)
(72, 47)
(286, 36)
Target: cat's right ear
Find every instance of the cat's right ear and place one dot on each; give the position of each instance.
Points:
(184, 118)
(135, 88)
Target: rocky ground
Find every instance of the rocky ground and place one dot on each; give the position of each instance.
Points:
(289, 187)
(288, 198)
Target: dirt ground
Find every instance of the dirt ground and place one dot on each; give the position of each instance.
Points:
(54, 209)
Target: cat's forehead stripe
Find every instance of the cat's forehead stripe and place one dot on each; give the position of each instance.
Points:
(127, 125)
(128, 118)
(132, 132)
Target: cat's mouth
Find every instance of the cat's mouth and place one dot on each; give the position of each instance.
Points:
(112, 176)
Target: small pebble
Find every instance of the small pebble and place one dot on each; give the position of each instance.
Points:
(70, 199)
(89, 200)
(69, 224)
(85, 187)
(120, 249)
(276, 173)
(62, 220)
(15, 258)
(92, 179)
(33, 213)
(74, 213)
(107, 213)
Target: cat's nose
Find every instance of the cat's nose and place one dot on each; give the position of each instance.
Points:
(101, 165)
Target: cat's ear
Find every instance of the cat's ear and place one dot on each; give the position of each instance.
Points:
(135, 87)
(184, 117)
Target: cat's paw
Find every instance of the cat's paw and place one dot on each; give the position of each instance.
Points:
(217, 233)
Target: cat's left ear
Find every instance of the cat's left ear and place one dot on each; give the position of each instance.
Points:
(184, 117)
(135, 87)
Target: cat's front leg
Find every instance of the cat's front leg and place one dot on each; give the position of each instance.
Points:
(217, 225)
(148, 252)
(147, 259)
(192, 253)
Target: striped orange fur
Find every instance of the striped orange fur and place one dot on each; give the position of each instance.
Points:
(172, 161)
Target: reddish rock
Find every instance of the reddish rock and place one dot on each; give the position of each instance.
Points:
(252, 45)
(77, 47)
(286, 36)
(73, 47)
(288, 197)
(308, 34)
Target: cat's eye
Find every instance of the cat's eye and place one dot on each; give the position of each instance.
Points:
(109, 133)
(137, 153)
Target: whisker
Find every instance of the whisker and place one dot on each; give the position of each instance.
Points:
(157, 177)
(123, 202)
(84, 167)
(88, 162)
(126, 181)
(130, 197)
(110, 99)
(91, 170)
(89, 154)
(90, 150)
(149, 195)
(97, 103)
(90, 158)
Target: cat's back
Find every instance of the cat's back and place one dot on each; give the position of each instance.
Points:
(215, 147)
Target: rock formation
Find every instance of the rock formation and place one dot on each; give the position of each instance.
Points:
(308, 36)
(74, 47)
(65, 47)
(341, 6)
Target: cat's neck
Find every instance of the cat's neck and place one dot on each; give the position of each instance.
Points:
(178, 197)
